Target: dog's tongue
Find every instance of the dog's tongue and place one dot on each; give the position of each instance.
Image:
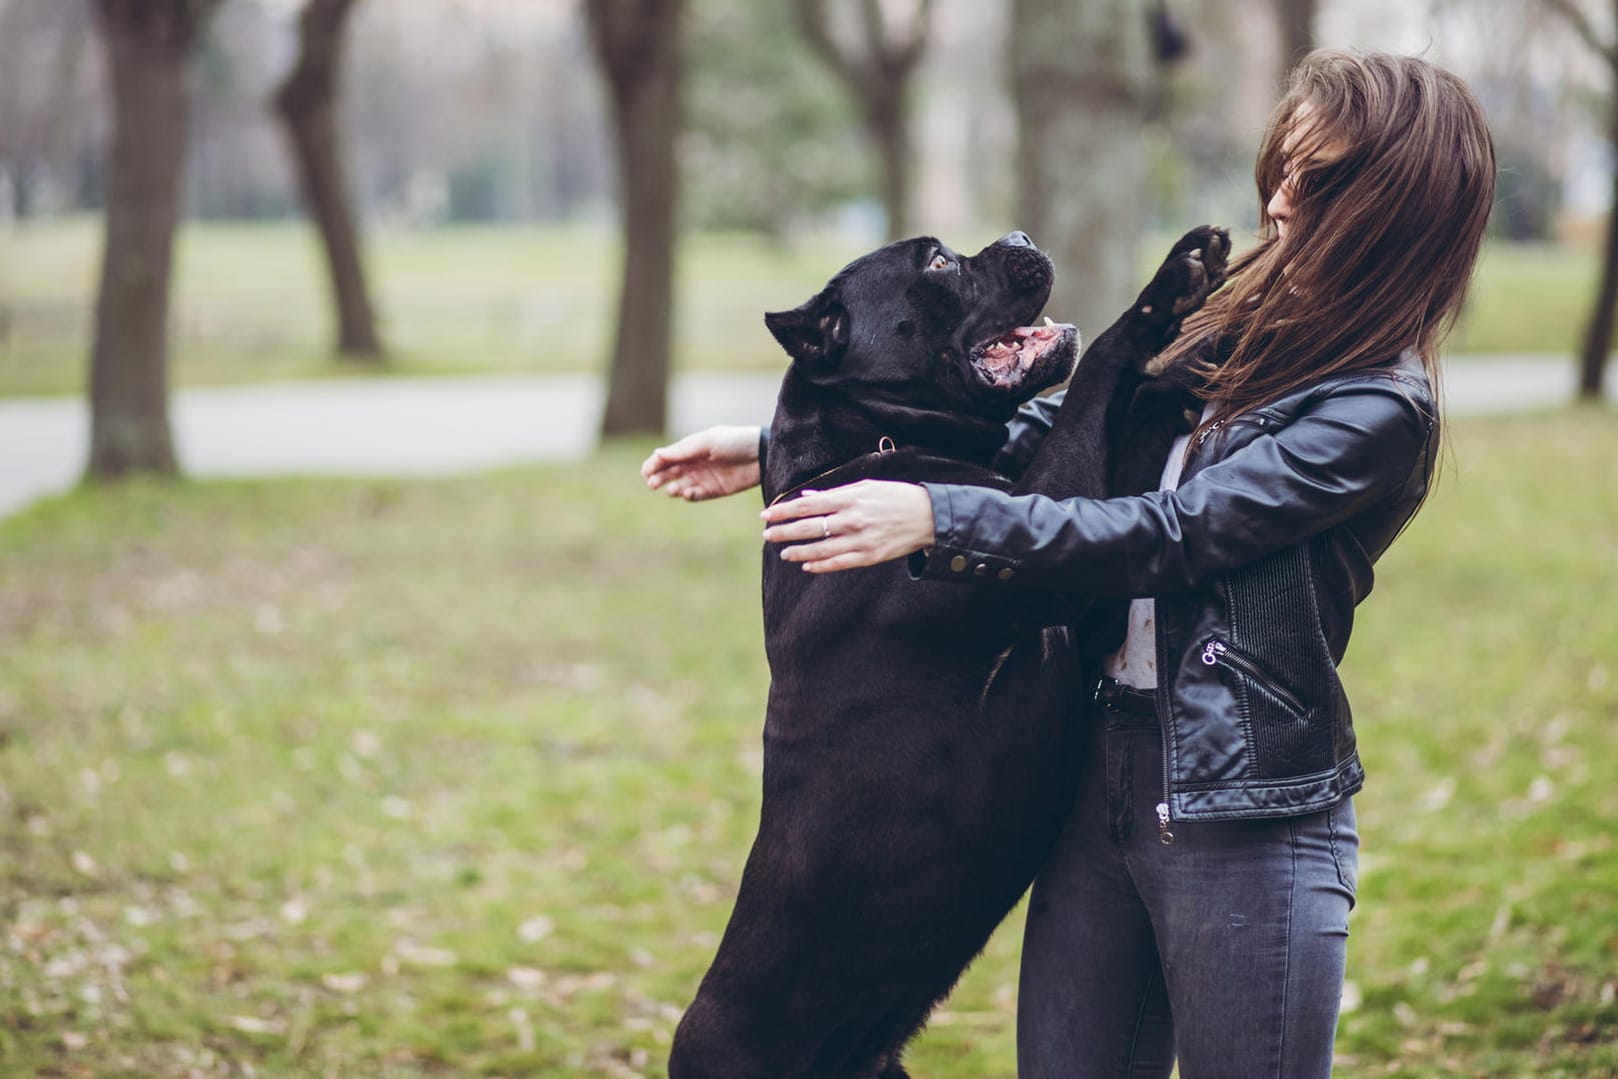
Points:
(1019, 348)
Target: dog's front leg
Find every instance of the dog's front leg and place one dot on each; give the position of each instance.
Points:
(1075, 458)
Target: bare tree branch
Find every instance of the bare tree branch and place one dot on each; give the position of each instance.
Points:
(812, 21)
(627, 30)
(876, 31)
(911, 50)
(1581, 24)
(877, 75)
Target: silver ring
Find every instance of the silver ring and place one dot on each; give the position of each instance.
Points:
(825, 528)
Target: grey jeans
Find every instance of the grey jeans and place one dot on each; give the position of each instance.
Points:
(1225, 947)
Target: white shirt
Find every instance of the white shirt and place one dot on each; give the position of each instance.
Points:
(1135, 663)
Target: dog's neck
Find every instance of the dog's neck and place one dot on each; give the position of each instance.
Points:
(817, 429)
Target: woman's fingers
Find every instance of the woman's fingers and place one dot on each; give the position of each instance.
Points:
(806, 528)
(851, 560)
(659, 471)
(668, 462)
(709, 464)
(677, 476)
(827, 542)
(674, 482)
(815, 536)
(810, 504)
(684, 485)
(860, 524)
(656, 468)
(819, 550)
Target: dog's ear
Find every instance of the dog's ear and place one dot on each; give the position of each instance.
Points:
(815, 333)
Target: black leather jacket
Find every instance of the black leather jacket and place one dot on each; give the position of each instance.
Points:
(1256, 561)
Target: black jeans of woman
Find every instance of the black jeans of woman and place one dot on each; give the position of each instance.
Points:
(1224, 948)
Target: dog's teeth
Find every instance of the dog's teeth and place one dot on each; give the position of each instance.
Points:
(1049, 322)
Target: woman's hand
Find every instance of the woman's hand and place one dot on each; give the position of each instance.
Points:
(709, 464)
(847, 527)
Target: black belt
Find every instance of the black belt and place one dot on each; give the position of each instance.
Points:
(1114, 696)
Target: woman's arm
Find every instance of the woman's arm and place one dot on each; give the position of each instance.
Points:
(722, 460)
(1358, 446)
(709, 464)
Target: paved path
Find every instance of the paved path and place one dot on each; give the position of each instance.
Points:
(437, 426)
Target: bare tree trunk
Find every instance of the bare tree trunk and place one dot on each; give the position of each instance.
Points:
(1597, 348)
(1296, 21)
(148, 43)
(637, 43)
(1598, 334)
(1081, 74)
(307, 104)
(878, 74)
(888, 124)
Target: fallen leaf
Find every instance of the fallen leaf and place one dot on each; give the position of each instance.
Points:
(422, 956)
(344, 983)
(248, 1024)
(526, 977)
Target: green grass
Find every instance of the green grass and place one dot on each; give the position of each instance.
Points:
(1527, 298)
(416, 779)
(249, 300)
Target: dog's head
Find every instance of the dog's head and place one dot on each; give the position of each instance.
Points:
(917, 324)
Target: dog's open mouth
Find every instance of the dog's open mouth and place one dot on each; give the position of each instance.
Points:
(1010, 360)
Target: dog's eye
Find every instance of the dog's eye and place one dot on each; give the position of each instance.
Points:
(940, 262)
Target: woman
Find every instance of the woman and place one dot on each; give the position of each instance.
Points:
(1197, 904)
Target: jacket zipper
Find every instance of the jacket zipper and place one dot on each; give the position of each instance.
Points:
(1164, 836)
(1217, 651)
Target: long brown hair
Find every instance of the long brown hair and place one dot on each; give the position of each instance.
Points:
(1393, 175)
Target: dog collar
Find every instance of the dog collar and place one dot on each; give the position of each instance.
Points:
(884, 446)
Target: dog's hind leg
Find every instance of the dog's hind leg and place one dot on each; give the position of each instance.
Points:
(711, 1043)
(891, 1069)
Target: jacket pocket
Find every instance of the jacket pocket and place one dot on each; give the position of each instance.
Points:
(1218, 653)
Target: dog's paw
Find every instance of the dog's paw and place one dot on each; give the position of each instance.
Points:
(1168, 400)
(1194, 268)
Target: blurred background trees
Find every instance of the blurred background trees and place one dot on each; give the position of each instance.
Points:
(1296, 19)
(1081, 170)
(308, 106)
(638, 44)
(148, 46)
(781, 154)
(815, 125)
(46, 101)
(1597, 347)
(462, 111)
(876, 56)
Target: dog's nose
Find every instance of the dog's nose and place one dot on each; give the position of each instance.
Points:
(1016, 239)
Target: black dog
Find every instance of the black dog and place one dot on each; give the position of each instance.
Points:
(920, 741)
